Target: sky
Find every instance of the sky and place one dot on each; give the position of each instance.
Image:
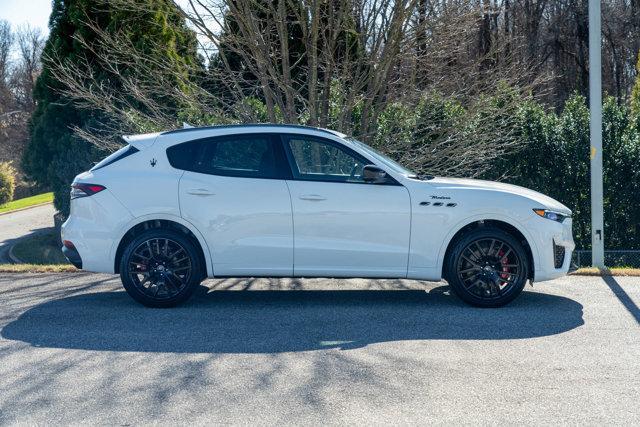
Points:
(33, 12)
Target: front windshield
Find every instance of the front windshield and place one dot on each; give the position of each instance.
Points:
(397, 167)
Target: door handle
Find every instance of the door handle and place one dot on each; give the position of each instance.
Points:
(313, 197)
(200, 192)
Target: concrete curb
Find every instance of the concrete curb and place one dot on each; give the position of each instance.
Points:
(14, 259)
(25, 208)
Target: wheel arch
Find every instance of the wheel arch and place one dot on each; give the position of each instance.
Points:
(149, 222)
(509, 226)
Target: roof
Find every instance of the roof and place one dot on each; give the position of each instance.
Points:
(253, 125)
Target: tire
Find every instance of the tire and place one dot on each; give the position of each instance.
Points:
(161, 268)
(484, 274)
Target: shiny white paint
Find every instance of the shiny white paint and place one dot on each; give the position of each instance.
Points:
(167, 217)
(482, 200)
(92, 225)
(248, 222)
(261, 227)
(349, 229)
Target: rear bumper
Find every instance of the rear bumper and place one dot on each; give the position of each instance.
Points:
(92, 227)
(73, 256)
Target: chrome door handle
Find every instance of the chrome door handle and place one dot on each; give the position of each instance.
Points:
(313, 197)
(200, 192)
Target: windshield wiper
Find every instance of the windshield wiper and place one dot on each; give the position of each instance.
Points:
(422, 177)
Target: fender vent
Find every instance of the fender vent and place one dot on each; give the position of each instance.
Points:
(558, 255)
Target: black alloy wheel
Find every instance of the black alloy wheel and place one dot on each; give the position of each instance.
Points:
(487, 267)
(160, 268)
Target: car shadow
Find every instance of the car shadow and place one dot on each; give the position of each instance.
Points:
(260, 321)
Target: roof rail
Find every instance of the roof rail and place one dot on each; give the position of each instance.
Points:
(273, 125)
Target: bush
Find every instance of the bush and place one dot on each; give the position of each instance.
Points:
(7, 182)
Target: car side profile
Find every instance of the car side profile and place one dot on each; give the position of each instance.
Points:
(173, 208)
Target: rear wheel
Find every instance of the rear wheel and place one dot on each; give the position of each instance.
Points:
(487, 267)
(160, 268)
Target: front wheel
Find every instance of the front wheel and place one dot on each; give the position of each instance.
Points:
(160, 268)
(487, 267)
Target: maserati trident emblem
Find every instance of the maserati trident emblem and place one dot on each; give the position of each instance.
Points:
(153, 162)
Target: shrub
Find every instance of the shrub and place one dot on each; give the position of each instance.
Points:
(7, 182)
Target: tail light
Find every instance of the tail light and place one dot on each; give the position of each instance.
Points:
(85, 190)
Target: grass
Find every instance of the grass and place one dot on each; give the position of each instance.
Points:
(68, 268)
(42, 249)
(37, 268)
(26, 202)
(614, 271)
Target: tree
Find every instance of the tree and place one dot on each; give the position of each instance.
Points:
(56, 153)
(20, 51)
(6, 43)
(635, 95)
(30, 44)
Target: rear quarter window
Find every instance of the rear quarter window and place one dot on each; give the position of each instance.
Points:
(184, 156)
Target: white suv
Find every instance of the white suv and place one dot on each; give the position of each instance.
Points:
(170, 209)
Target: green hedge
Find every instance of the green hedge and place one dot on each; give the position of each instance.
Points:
(555, 161)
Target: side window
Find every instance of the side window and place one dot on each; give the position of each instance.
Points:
(186, 155)
(315, 159)
(248, 156)
(251, 156)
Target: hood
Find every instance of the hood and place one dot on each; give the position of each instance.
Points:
(542, 200)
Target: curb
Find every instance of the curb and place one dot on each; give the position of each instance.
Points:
(25, 208)
(13, 257)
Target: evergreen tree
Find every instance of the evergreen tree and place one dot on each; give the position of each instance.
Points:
(55, 154)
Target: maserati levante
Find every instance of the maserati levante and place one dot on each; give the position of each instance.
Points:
(171, 209)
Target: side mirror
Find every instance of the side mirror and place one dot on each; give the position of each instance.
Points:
(374, 175)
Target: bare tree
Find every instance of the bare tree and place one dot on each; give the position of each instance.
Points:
(19, 67)
(6, 44)
(30, 44)
(343, 64)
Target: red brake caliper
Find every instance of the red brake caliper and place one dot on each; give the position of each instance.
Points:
(504, 262)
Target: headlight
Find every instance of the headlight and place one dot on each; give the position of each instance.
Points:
(553, 216)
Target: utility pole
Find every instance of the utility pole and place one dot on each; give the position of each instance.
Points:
(595, 129)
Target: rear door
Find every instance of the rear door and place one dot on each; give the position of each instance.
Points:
(234, 192)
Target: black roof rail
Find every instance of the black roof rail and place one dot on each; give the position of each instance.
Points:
(262, 125)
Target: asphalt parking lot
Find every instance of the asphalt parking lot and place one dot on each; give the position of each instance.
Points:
(75, 349)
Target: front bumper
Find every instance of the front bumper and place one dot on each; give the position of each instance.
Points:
(552, 239)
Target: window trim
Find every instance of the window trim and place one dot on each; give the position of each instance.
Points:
(282, 166)
(297, 176)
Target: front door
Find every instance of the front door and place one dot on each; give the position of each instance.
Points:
(235, 194)
(344, 227)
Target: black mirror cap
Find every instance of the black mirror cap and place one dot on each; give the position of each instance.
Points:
(374, 175)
